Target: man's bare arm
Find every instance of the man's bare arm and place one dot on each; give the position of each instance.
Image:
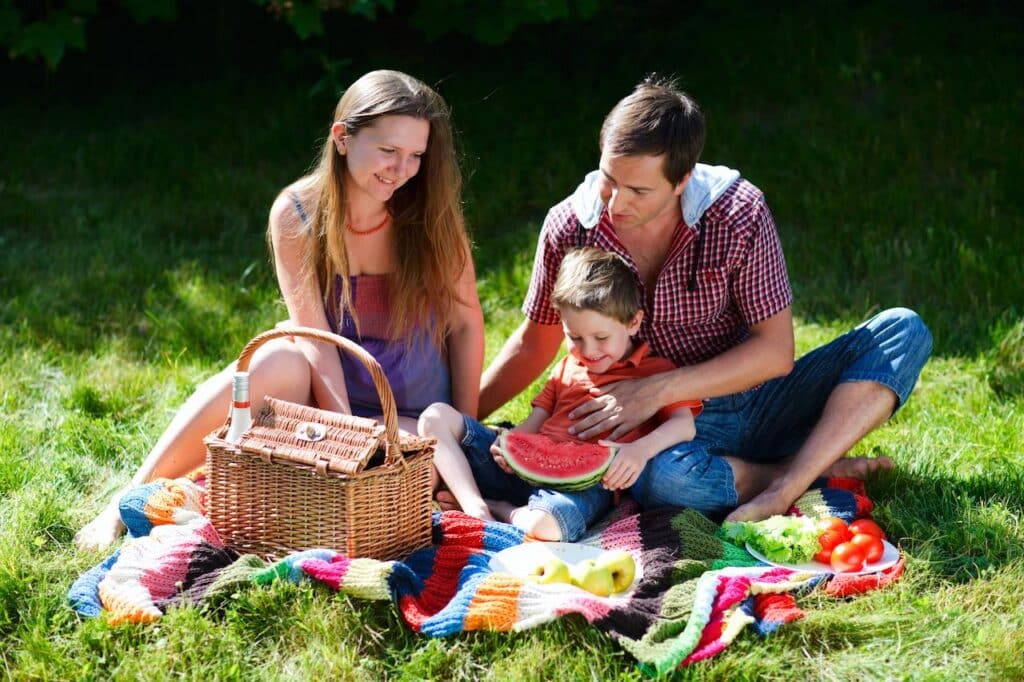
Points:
(526, 353)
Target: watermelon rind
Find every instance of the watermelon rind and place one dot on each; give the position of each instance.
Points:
(563, 484)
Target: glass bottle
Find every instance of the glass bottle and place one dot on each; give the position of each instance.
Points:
(241, 413)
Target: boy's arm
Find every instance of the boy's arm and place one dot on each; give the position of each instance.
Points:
(632, 457)
(533, 422)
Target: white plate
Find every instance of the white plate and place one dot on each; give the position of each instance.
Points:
(521, 559)
(889, 557)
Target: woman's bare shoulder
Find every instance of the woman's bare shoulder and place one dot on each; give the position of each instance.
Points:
(291, 205)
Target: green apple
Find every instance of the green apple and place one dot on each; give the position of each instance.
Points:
(622, 567)
(554, 570)
(592, 578)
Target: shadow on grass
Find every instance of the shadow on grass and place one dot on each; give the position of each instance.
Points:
(961, 526)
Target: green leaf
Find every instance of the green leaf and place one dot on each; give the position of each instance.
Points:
(40, 40)
(82, 7)
(368, 8)
(306, 20)
(149, 10)
(10, 22)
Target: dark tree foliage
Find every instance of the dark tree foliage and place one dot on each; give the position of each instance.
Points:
(44, 32)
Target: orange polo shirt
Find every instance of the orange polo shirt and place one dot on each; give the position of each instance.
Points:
(570, 383)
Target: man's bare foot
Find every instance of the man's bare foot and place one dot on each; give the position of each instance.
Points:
(761, 507)
(858, 467)
(101, 532)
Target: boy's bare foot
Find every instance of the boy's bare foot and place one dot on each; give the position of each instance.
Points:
(858, 467)
(101, 532)
(501, 509)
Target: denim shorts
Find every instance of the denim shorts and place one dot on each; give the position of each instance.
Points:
(573, 511)
(771, 422)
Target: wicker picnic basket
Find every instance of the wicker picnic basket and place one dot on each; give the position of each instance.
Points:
(302, 478)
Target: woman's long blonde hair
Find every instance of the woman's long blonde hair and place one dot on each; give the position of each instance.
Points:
(431, 245)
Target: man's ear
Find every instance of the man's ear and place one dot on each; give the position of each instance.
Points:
(681, 185)
(339, 134)
(634, 325)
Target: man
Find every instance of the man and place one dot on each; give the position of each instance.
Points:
(706, 255)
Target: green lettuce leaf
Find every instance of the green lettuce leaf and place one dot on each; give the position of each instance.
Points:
(783, 539)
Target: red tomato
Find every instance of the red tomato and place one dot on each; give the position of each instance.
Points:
(828, 540)
(847, 557)
(867, 527)
(834, 523)
(872, 546)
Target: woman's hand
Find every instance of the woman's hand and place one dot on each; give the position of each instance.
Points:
(618, 407)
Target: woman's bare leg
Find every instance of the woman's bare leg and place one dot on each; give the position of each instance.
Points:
(446, 424)
(278, 369)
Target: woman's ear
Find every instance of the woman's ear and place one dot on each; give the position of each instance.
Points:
(340, 136)
(634, 325)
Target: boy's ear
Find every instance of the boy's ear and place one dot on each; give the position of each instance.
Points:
(634, 325)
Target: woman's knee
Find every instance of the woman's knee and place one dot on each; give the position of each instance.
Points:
(440, 418)
(280, 369)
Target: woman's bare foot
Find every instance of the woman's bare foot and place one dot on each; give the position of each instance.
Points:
(447, 502)
(101, 532)
(858, 467)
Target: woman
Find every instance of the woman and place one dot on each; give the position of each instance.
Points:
(370, 245)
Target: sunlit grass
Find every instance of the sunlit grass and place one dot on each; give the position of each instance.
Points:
(132, 266)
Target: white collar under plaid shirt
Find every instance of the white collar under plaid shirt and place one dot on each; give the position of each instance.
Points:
(739, 274)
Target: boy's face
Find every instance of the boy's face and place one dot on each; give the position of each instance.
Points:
(598, 341)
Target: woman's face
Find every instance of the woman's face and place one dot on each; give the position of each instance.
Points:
(383, 156)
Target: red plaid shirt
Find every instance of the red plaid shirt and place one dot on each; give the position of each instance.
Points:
(741, 275)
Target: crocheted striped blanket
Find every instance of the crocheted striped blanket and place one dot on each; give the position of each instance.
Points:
(696, 594)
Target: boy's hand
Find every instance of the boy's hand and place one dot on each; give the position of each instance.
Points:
(626, 467)
(499, 459)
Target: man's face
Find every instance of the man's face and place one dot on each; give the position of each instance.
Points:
(636, 191)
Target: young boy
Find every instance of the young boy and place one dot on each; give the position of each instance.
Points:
(598, 302)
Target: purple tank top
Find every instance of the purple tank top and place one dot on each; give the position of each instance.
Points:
(417, 372)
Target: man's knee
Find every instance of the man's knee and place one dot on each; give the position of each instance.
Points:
(903, 326)
(686, 477)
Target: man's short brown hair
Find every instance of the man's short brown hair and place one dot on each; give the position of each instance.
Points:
(657, 118)
(598, 280)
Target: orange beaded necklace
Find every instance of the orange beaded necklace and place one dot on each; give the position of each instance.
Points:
(362, 233)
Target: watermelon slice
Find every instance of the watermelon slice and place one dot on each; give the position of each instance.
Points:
(565, 466)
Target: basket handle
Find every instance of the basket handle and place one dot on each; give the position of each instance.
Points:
(387, 398)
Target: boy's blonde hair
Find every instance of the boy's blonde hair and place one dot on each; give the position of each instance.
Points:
(598, 280)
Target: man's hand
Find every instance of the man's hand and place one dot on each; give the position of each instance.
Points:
(619, 407)
(629, 461)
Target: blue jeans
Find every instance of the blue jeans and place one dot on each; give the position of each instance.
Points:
(573, 511)
(770, 422)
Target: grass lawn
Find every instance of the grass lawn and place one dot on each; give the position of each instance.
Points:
(132, 265)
